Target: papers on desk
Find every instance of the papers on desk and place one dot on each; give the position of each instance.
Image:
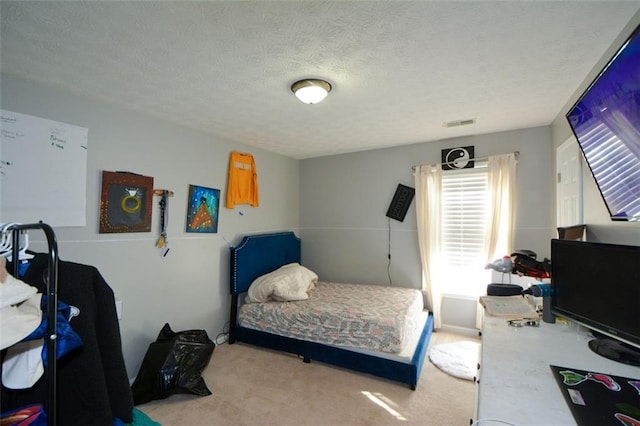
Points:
(508, 307)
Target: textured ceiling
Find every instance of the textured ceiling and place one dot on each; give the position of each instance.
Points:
(399, 69)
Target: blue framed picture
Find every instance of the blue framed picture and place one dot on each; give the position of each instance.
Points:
(202, 209)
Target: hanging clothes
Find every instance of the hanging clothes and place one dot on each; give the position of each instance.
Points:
(19, 308)
(242, 186)
(93, 385)
(24, 362)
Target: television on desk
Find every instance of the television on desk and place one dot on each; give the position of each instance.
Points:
(597, 285)
(606, 123)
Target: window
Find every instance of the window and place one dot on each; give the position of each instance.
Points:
(464, 209)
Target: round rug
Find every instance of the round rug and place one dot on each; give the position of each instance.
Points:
(458, 359)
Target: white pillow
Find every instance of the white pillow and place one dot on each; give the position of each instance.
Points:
(288, 283)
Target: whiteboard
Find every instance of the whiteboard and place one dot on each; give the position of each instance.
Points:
(43, 170)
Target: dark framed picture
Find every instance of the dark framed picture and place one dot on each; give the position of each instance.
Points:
(400, 203)
(202, 209)
(125, 203)
(458, 158)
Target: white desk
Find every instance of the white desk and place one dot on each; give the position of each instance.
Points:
(516, 384)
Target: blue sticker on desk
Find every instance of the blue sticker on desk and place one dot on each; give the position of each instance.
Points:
(599, 399)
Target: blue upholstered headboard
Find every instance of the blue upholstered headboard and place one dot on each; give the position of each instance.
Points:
(259, 254)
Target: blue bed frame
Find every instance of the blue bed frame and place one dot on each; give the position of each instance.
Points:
(259, 254)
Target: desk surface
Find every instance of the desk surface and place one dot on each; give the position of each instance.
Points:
(516, 384)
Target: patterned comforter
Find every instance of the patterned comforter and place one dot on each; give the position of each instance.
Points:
(355, 315)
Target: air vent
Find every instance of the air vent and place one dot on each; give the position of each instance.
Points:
(457, 123)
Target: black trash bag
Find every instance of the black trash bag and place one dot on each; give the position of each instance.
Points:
(173, 364)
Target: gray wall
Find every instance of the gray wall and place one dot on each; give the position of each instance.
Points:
(344, 199)
(599, 225)
(338, 202)
(189, 287)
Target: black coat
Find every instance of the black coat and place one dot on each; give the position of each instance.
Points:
(93, 387)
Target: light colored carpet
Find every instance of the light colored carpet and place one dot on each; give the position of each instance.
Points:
(458, 359)
(253, 386)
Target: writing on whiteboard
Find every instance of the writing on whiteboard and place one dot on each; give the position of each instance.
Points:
(43, 170)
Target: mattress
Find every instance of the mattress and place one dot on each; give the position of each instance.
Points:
(365, 317)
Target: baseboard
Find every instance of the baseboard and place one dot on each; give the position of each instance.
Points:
(471, 332)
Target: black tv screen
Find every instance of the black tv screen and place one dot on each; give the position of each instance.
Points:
(598, 285)
(606, 123)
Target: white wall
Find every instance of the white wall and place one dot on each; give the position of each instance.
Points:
(599, 225)
(344, 199)
(189, 287)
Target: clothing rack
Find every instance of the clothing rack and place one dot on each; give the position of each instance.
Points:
(52, 306)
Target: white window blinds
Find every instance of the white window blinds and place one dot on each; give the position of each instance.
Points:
(464, 206)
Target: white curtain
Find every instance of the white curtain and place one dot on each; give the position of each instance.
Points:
(499, 225)
(502, 191)
(501, 180)
(428, 182)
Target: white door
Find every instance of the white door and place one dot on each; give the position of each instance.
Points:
(569, 183)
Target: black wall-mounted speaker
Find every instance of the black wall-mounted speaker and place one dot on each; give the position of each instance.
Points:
(400, 202)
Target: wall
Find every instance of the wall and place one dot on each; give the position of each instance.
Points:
(344, 199)
(599, 225)
(189, 287)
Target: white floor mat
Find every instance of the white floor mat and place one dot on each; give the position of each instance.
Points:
(458, 359)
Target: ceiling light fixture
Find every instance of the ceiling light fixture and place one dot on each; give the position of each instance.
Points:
(311, 90)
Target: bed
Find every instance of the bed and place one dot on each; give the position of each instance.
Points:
(261, 254)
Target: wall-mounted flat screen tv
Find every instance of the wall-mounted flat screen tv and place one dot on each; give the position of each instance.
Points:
(606, 123)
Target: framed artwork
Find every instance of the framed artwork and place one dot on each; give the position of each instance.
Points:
(125, 204)
(400, 203)
(458, 158)
(202, 209)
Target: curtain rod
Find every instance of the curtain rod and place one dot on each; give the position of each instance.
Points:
(515, 153)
